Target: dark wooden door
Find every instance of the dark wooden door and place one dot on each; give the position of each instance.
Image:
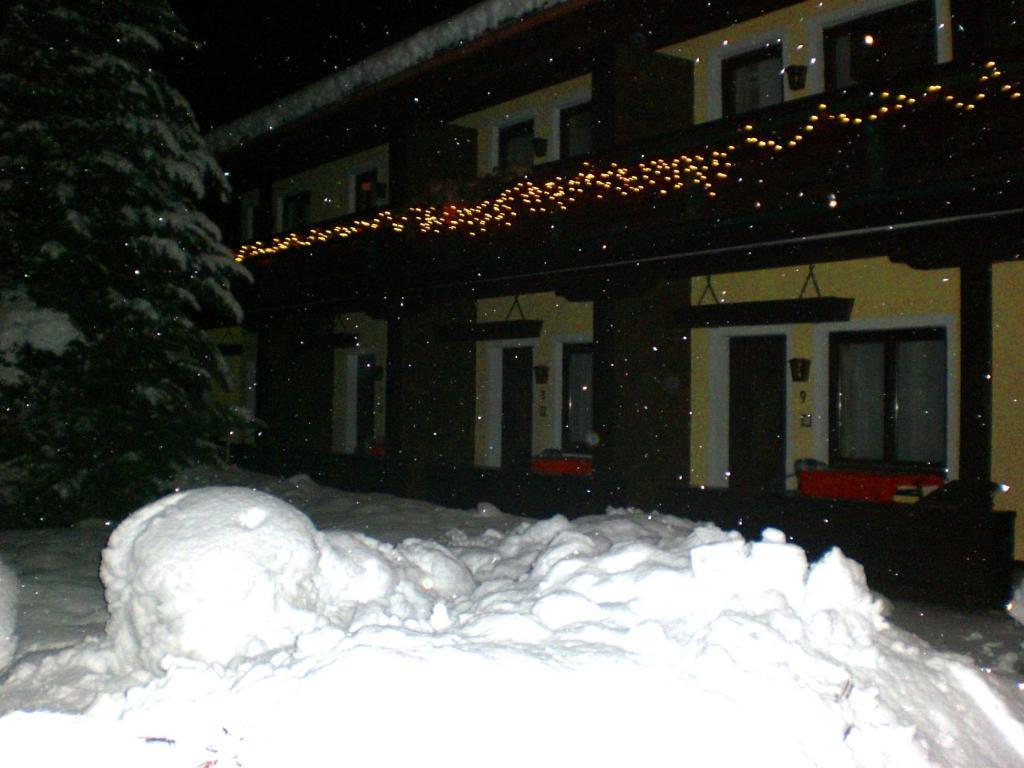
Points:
(516, 407)
(757, 413)
(366, 376)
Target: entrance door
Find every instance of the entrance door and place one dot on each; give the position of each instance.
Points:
(516, 407)
(757, 413)
(366, 375)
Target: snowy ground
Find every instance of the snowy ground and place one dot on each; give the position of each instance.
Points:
(385, 631)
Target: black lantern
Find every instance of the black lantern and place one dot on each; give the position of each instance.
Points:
(796, 76)
(800, 368)
(541, 373)
(540, 146)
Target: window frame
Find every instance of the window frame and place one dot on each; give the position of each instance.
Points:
(503, 135)
(890, 338)
(282, 208)
(568, 350)
(375, 199)
(729, 65)
(567, 112)
(829, 32)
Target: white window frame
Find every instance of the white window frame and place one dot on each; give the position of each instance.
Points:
(555, 139)
(510, 118)
(820, 380)
(713, 64)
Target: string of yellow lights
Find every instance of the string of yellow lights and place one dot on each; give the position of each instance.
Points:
(658, 176)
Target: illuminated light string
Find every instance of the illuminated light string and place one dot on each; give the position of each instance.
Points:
(659, 177)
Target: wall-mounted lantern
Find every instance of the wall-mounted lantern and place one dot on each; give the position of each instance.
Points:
(540, 146)
(796, 76)
(800, 368)
(541, 373)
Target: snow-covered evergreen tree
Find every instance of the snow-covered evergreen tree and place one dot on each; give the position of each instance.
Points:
(106, 262)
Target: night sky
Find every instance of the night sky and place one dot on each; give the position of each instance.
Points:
(253, 53)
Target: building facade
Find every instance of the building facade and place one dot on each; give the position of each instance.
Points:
(758, 266)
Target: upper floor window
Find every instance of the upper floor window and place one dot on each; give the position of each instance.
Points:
(295, 211)
(874, 47)
(752, 80)
(576, 131)
(515, 145)
(577, 397)
(888, 397)
(367, 185)
(248, 219)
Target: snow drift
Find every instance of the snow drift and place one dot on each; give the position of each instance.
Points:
(238, 632)
(8, 614)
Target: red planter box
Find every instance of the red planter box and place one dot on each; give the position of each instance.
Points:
(576, 465)
(864, 485)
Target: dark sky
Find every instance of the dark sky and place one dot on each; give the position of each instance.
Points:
(254, 52)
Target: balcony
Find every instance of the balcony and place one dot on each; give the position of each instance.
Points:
(862, 163)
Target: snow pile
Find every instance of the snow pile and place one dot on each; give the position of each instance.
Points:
(8, 614)
(241, 634)
(210, 575)
(460, 29)
(1016, 606)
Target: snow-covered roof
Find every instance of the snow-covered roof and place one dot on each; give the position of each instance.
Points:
(465, 27)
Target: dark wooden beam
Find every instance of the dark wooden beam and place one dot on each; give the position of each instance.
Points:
(824, 309)
(976, 384)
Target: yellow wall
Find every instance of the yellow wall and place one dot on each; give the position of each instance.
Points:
(883, 292)
(563, 321)
(1008, 391)
(331, 185)
(373, 338)
(542, 106)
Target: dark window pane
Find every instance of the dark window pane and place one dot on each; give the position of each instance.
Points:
(876, 47)
(921, 402)
(366, 191)
(515, 146)
(295, 211)
(575, 131)
(578, 397)
(752, 81)
(861, 401)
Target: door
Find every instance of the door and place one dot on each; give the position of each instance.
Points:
(516, 407)
(757, 413)
(366, 377)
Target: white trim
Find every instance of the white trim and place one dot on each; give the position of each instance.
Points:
(583, 96)
(820, 384)
(819, 22)
(555, 385)
(510, 118)
(713, 64)
(718, 409)
(493, 375)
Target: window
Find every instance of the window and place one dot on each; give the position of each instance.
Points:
(295, 211)
(515, 146)
(366, 185)
(752, 81)
(248, 220)
(576, 131)
(888, 397)
(577, 397)
(875, 47)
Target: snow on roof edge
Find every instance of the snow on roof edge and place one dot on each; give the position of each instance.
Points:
(464, 27)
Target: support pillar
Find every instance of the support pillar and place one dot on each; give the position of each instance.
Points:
(976, 384)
